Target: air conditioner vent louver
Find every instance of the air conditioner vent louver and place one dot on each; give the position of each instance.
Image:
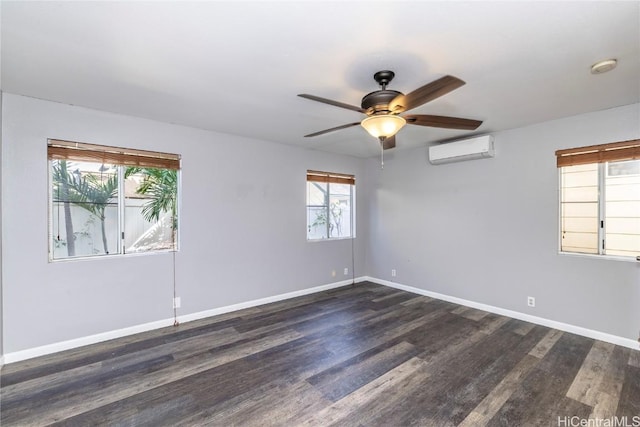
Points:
(480, 147)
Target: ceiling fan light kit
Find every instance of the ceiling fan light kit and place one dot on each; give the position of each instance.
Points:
(383, 125)
(383, 108)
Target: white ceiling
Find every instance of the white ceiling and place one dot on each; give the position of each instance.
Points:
(236, 67)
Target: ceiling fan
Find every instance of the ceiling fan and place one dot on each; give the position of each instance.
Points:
(383, 108)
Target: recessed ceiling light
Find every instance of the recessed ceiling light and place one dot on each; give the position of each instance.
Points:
(603, 66)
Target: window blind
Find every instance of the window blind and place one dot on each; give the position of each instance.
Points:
(334, 178)
(82, 152)
(612, 152)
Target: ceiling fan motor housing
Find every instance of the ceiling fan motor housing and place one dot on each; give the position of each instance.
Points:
(378, 102)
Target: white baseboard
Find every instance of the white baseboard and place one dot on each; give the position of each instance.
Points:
(105, 336)
(30, 353)
(578, 330)
(262, 301)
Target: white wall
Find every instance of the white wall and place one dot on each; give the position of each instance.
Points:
(243, 229)
(487, 230)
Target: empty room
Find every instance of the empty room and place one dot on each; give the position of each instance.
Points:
(320, 213)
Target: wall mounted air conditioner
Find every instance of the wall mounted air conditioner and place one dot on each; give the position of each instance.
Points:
(480, 147)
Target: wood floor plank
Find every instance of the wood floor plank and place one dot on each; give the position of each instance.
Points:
(354, 339)
(543, 347)
(520, 327)
(362, 406)
(417, 299)
(73, 402)
(321, 298)
(587, 381)
(535, 402)
(541, 397)
(315, 321)
(490, 405)
(360, 370)
(460, 383)
(390, 300)
(393, 295)
(108, 352)
(331, 319)
(493, 322)
(614, 372)
(470, 313)
(629, 403)
(607, 374)
(280, 406)
(634, 358)
(210, 390)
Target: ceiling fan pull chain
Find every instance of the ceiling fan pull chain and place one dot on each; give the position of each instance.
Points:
(382, 153)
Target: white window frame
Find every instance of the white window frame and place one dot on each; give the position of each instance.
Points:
(602, 170)
(352, 203)
(121, 250)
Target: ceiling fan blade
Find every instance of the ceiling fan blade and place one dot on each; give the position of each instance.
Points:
(442, 122)
(424, 94)
(331, 102)
(322, 132)
(389, 142)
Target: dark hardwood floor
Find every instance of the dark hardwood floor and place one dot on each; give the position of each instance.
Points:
(363, 355)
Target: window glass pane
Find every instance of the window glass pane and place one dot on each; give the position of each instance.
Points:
(84, 209)
(316, 223)
(316, 193)
(340, 210)
(622, 208)
(623, 168)
(317, 210)
(579, 208)
(150, 209)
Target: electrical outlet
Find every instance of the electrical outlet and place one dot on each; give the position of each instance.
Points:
(393, 273)
(531, 301)
(333, 273)
(346, 271)
(176, 302)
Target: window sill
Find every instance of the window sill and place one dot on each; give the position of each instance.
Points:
(603, 257)
(333, 239)
(113, 256)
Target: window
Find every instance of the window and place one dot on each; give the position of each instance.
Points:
(108, 200)
(600, 199)
(330, 205)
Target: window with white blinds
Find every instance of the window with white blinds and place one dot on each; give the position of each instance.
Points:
(600, 199)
